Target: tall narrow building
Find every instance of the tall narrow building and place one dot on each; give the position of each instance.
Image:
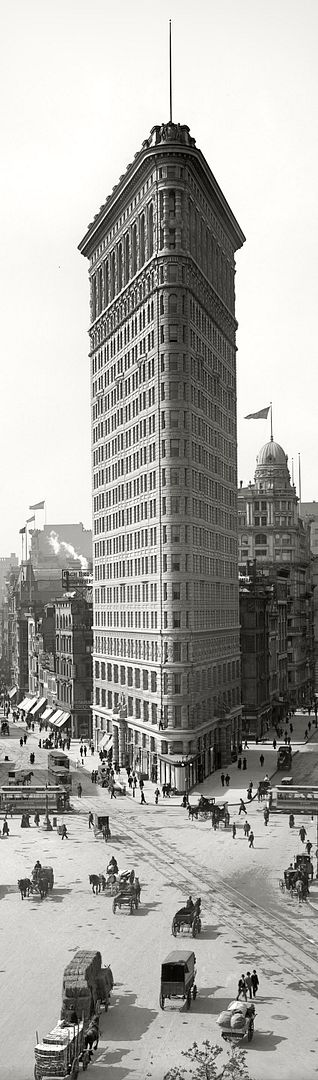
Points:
(164, 470)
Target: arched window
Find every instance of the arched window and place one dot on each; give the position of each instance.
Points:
(150, 230)
(172, 303)
(134, 249)
(141, 240)
(261, 539)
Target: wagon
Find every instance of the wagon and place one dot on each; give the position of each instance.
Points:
(60, 1053)
(127, 896)
(101, 826)
(187, 919)
(203, 809)
(237, 1021)
(178, 973)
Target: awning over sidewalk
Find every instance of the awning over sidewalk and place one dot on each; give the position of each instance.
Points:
(106, 741)
(27, 703)
(55, 716)
(37, 708)
(62, 720)
(178, 759)
(12, 692)
(46, 714)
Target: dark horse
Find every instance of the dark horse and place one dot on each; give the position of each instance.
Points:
(98, 882)
(25, 886)
(92, 1034)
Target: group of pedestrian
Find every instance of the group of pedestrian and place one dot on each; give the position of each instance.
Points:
(247, 832)
(94, 776)
(248, 985)
(225, 779)
(239, 763)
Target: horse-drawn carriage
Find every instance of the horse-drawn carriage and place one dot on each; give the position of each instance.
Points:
(128, 892)
(237, 1021)
(101, 826)
(202, 809)
(296, 877)
(4, 730)
(188, 918)
(41, 882)
(178, 973)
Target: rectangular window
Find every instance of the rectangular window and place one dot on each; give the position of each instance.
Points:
(174, 448)
(173, 332)
(176, 620)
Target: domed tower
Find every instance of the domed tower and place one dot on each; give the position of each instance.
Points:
(269, 522)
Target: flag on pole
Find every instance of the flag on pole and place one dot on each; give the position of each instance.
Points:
(21, 531)
(262, 414)
(30, 519)
(38, 506)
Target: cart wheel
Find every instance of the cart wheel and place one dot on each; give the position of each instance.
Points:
(189, 999)
(114, 906)
(250, 1032)
(174, 928)
(161, 1001)
(194, 992)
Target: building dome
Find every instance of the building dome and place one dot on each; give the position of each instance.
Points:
(271, 454)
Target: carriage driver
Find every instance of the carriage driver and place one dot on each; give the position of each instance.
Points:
(190, 904)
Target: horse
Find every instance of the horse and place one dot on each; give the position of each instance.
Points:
(92, 1034)
(25, 886)
(98, 882)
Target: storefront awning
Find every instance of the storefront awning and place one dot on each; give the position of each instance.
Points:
(46, 714)
(55, 716)
(27, 704)
(106, 741)
(62, 720)
(12, 692)
(37, 708)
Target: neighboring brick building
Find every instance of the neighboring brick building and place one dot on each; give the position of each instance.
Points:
(163, 388)
(73, 662)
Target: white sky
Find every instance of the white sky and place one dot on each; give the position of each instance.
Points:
(81, 84)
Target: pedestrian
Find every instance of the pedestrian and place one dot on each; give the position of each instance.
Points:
(157, 793)
(244, 763)
(241, 988)
(308, 847)
(309, 725)
(93, 776)
(81, 751)
(234, 830)
(64, 835)
(163, 791)
(306, 734)
(111, 790)
(288, 741)
(255, 982)
(5, 828)
(130, 781)
(141, 784)
(242, 807)
(248, 983)
(90, 819)
(291, 729)
(251, 839)
(262, 759)
(25, 739)
(85, 750)
(36, 818)
(246, 745)
(274, 744)
(134, 790)
(142, 799)
(222, 779)
(239, 763)
(227, 779)
(291, 821)
(246, 828)
(79, 791)
(266, 815)
(249, 792)
(302, 833)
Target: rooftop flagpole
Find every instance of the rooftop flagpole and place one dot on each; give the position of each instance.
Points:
(299, 485)
(271, 408)
(170, 72)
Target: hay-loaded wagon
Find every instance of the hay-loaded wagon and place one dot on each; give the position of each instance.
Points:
(86, 986)
(61, 1052)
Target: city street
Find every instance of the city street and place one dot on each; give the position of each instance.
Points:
(246, 922)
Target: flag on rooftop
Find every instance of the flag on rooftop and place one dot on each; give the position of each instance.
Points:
(30, 519)
(262, 414)
(38, 506)
(21, 531)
